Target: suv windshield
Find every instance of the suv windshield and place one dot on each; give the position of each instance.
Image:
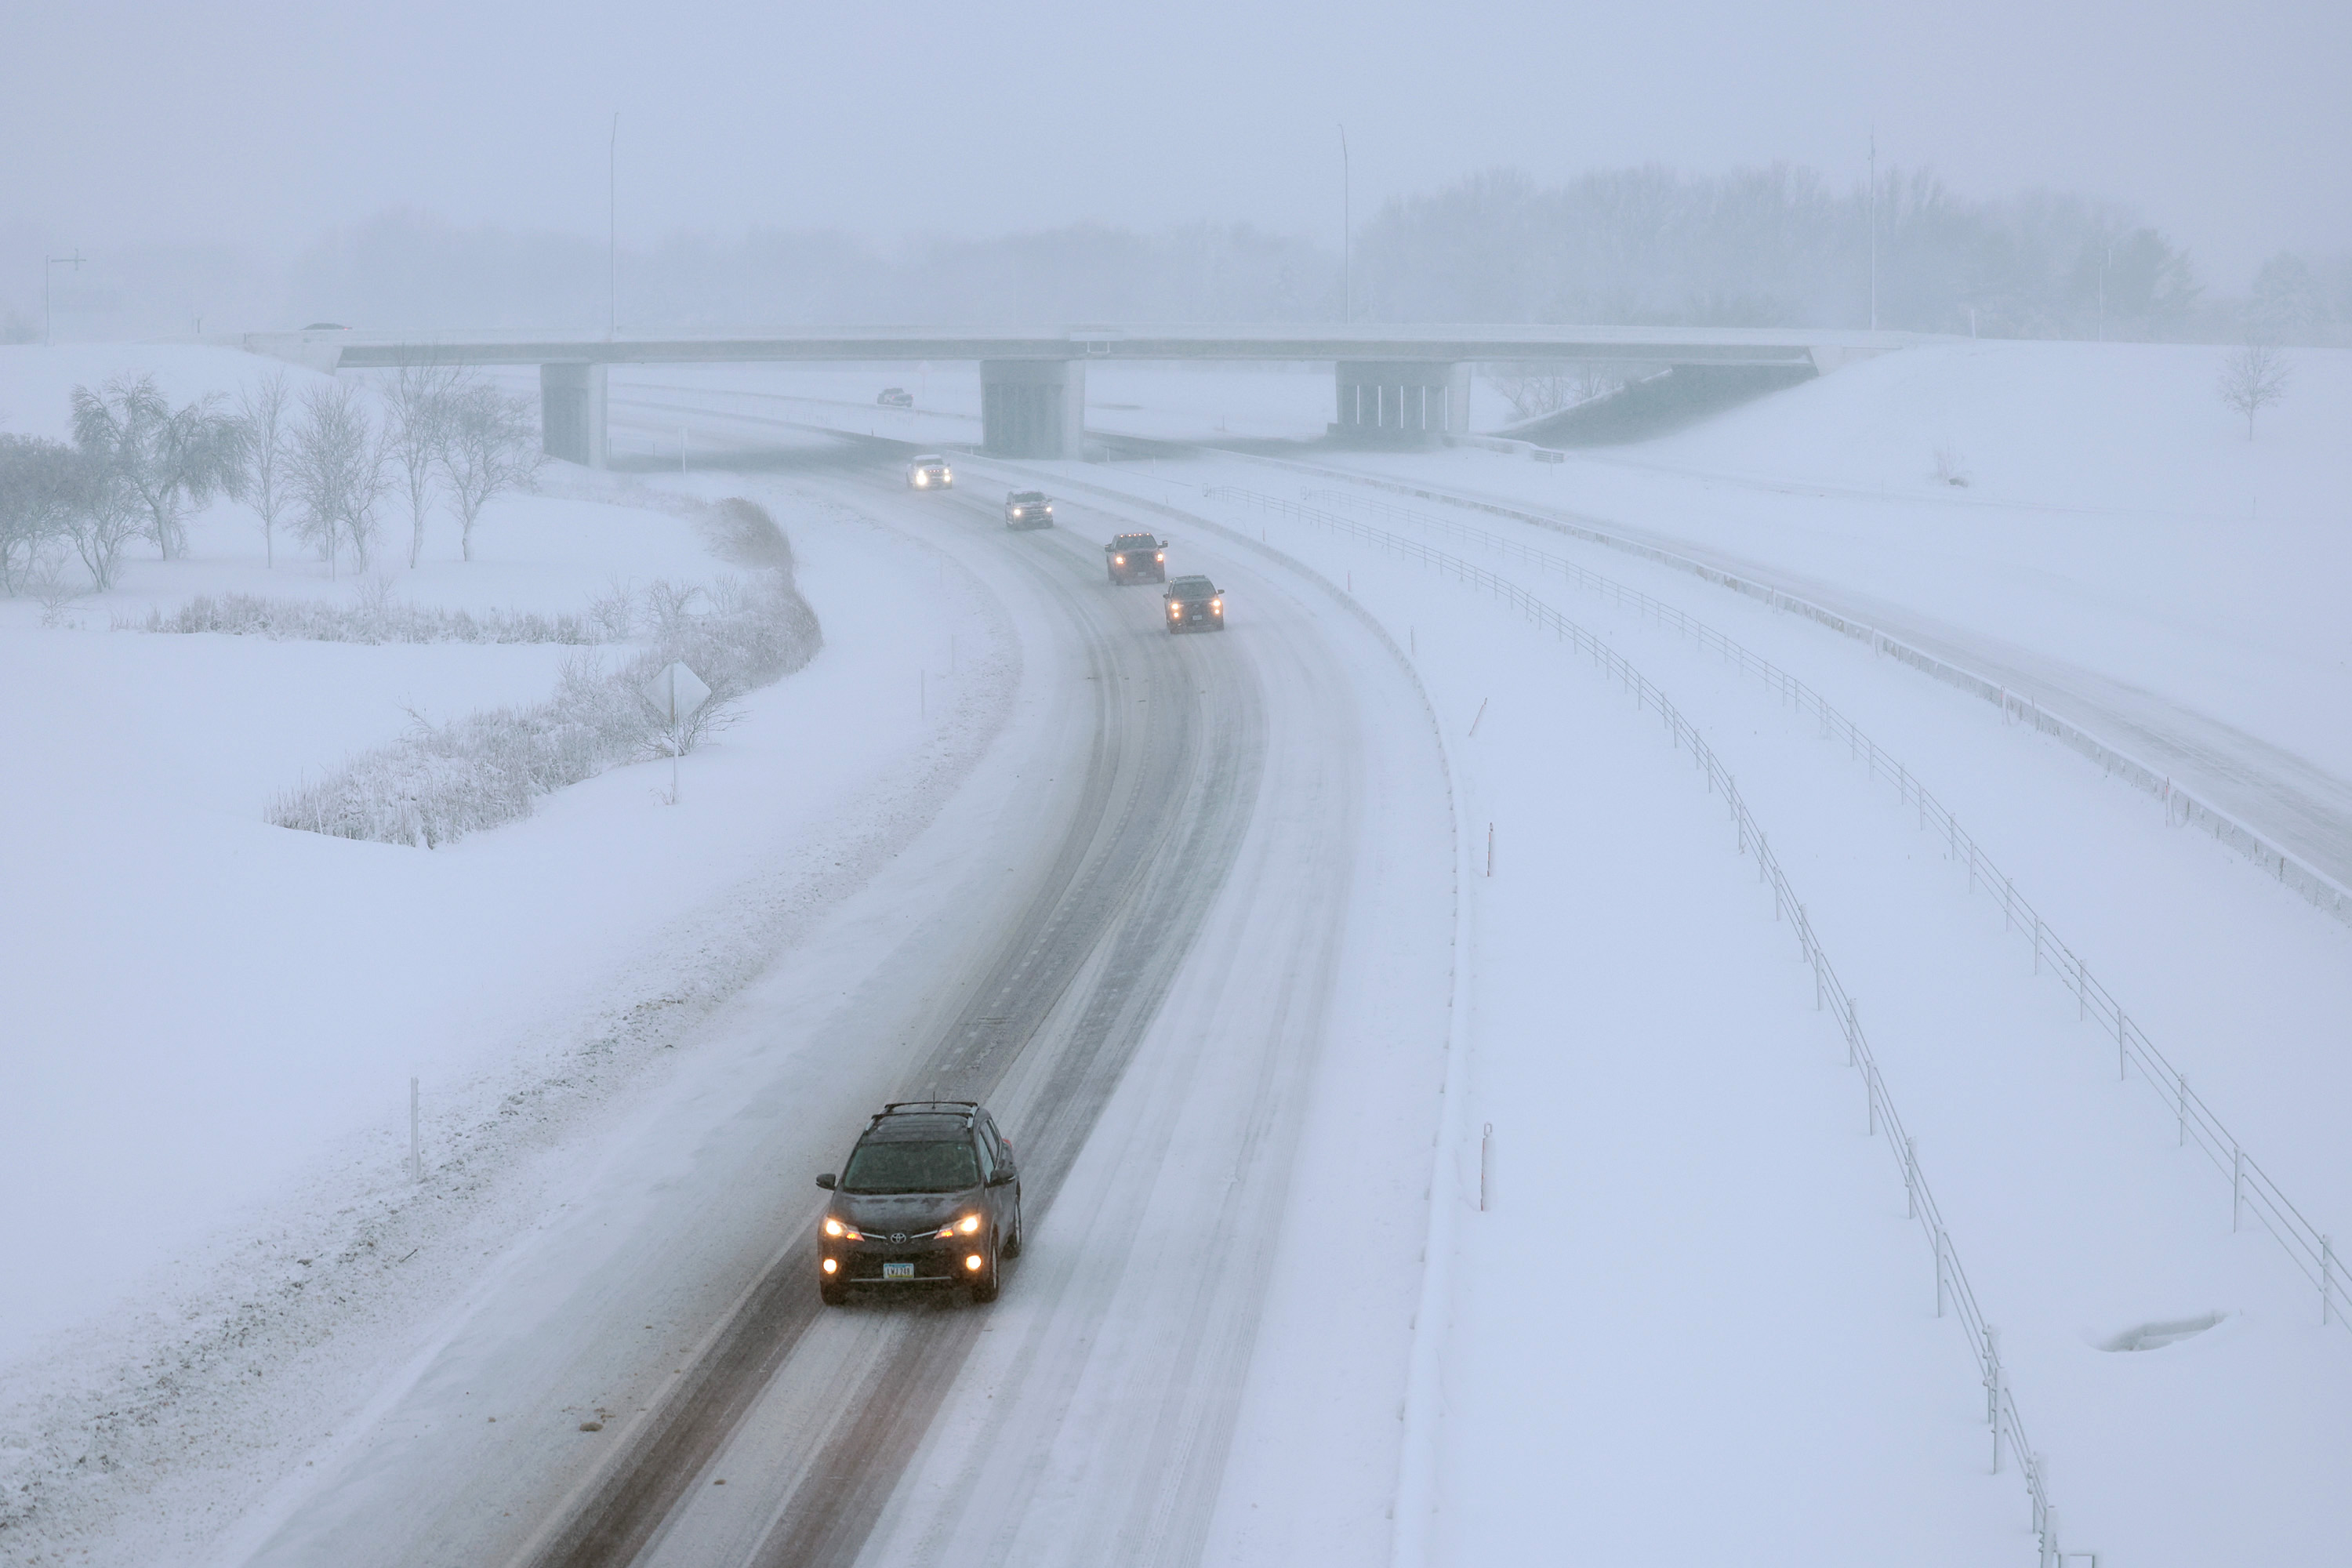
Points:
(942, 1167)
(1192, 588)
(1029, 498)
(1135, 541)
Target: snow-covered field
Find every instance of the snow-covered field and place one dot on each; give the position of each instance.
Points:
(1690, 1320)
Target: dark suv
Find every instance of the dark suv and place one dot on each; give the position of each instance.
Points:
(1194, 605)
(1028, 509)
(931, 1196)
(1136, 558)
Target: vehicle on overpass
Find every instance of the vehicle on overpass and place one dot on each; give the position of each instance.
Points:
(930, 472)
(931, 1196)
(1194, 604)
(1028, 509)
(1136, 558)
(894, 398)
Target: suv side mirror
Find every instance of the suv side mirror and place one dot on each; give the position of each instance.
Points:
(826, 1181)
(1003, 1176)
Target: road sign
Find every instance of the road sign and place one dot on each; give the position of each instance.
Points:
(675, 693)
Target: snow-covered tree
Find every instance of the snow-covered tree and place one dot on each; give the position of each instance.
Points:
(490, 445)
(266, 407)
(105, 512)
(2253, 379)
(37, 482)
(2288, 303)
(416, 430)
(335, 473)
(169, 459)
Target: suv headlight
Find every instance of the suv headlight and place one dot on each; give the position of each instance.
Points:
(834, 1227)
(968, 1226)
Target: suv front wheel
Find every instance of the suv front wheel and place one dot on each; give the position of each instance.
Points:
(984, 1284)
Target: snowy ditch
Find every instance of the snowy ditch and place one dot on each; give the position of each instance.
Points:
(2252, 1191)
(440, 782)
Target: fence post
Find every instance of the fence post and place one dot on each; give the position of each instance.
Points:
(1993, 1390)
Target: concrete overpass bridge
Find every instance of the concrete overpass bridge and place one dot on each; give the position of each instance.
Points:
(1396, 384)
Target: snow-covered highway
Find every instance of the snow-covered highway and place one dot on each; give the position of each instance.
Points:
(1212, 914)
(1419, 1106)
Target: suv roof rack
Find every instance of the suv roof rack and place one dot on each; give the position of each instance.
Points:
(967, 1106)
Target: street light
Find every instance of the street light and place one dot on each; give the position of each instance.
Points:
(48, 271)
(1346, 232)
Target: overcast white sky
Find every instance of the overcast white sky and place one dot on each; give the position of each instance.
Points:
(265, 122)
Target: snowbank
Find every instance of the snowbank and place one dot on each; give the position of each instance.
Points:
(2116, 519)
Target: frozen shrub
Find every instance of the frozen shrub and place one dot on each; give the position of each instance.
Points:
(373, 618)
(440, 782)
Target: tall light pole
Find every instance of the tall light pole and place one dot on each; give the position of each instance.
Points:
(1873, 229)
(49, 265)
(613, 231)
(1346, 232)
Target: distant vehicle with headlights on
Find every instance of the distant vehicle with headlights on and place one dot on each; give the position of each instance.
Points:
(930, 1195)
(1136, 558)
(894, 398)
(1194, 604)
(1028, 509)
(930, 472)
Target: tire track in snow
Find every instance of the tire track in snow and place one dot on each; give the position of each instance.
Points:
(1143, 768)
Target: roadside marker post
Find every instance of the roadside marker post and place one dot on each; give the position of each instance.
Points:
(675, 695)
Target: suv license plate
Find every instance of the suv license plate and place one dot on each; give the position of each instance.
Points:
(898, 1271)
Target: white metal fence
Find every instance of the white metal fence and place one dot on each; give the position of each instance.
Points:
(2182, 805)
(1953, 1291)
(2252, 1190)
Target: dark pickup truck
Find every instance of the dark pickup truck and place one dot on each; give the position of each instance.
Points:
(1136, 558)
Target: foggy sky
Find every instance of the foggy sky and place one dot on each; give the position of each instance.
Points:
(263, 126)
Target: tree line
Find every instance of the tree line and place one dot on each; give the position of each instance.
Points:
(1779, 245)
(321, 466)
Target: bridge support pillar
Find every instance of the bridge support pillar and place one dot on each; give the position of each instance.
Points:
(1032, 407)
(1402, 403)
(572, 414)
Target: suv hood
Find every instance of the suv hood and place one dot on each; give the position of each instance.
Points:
(887, 1212)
